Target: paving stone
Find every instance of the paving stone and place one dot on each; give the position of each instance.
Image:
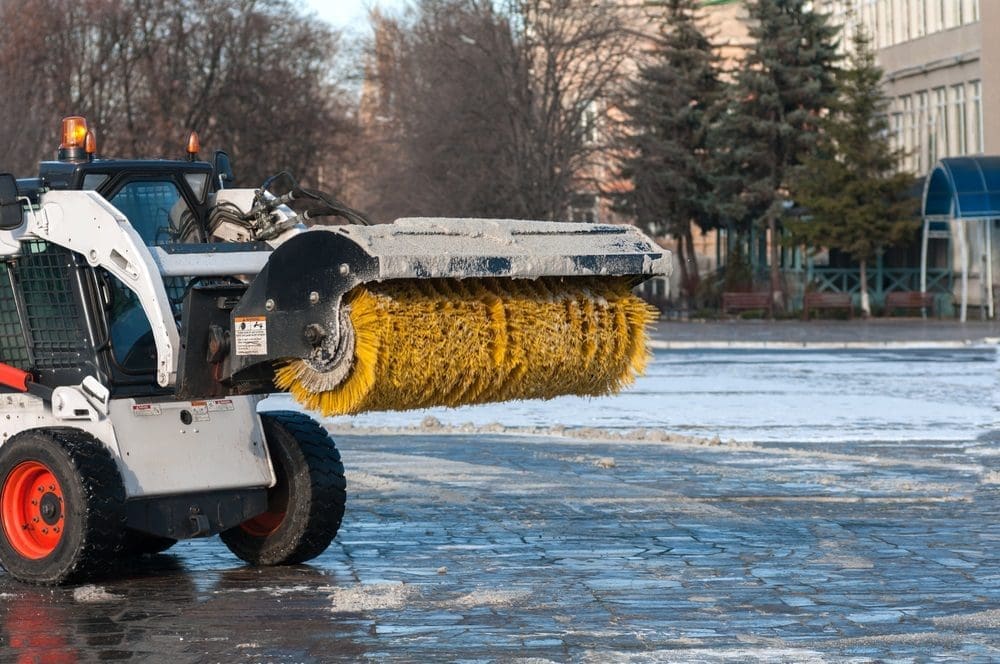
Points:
(577, 566)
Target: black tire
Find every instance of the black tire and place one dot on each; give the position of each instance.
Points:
(306, 505)
(138, 543)
(88, 510)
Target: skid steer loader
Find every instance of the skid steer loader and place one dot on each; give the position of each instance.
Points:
(146, 309)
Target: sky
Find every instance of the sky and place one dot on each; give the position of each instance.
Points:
(348, 13)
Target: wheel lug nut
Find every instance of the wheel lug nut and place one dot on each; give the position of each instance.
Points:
(35, 520)
(45, 531)
(34, 502)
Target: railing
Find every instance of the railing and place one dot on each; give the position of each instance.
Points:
(880, 282)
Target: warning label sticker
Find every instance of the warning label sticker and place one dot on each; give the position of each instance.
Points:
(145, 409)
(200, 412)
(251, 335)
(220, 404)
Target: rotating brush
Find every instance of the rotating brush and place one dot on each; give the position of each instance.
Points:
(450, 342)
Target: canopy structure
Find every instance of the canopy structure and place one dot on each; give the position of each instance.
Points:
(963, 189)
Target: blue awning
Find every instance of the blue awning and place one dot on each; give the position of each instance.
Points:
(963, 188)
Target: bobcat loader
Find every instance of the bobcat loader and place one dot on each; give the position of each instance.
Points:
(146, 309)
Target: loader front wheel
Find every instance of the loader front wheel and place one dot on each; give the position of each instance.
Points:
(306, 505)
(62, 506)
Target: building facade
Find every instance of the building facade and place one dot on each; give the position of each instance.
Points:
(938, 77)
(941, 81)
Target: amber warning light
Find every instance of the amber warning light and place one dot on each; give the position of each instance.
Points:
(193, 146)
(74, 137)
(74, 132)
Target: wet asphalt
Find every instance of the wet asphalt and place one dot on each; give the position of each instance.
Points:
(633, 547)
(464, 547)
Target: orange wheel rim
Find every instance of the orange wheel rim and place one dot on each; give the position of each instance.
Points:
(263, 524)
(31, 508)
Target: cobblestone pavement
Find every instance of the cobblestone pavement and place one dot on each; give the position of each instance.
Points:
(477, 547)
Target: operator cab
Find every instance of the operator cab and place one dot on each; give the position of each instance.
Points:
(165, 201)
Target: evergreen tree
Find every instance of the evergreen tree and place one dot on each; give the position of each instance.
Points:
(854, 198)
(783, 87)
(666, 160)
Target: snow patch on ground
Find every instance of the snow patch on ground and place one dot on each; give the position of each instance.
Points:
(992, 477)
(374, 597)
(433, 425)
(271, 590)
(743, 654)
(605, 462)
(647, 436)
(94, 595)
(496, 598)
(989, 619)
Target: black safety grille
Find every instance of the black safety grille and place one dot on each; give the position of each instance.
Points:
(55, 323)
(13, 350)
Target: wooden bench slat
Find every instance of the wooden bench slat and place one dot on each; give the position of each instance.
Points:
(739, 301)
(827, 301)
(908, 300)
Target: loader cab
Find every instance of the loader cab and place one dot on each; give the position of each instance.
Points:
(52, 301)
(166, 201)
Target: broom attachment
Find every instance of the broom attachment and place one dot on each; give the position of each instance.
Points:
(446, 312)
(449, 342)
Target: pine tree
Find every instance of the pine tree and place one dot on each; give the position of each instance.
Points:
(783, 87)
(853, 196)
(667, 162)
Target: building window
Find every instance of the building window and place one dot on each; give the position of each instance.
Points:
(910, 141)
(977, 142)
(890, 29)
(942, 146)
(904, 20)
(588, 120)
(583, 208)
(923, 143)
(957, 120)
(897, 131)
(921, 24)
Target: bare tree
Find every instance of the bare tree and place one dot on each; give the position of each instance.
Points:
(256, 78)
(487, 108)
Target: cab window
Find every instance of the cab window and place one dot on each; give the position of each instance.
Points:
(158, 212)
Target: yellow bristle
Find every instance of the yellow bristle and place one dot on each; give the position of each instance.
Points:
(442, 342)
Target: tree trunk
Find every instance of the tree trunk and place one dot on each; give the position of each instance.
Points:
(777, 293)
(694, 277)
(682, 264)
(866, 309)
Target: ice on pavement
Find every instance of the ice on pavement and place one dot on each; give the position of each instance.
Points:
(762, 396)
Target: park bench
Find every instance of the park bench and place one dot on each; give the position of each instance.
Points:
(908, 300)
(813, 301)
(732, 302)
